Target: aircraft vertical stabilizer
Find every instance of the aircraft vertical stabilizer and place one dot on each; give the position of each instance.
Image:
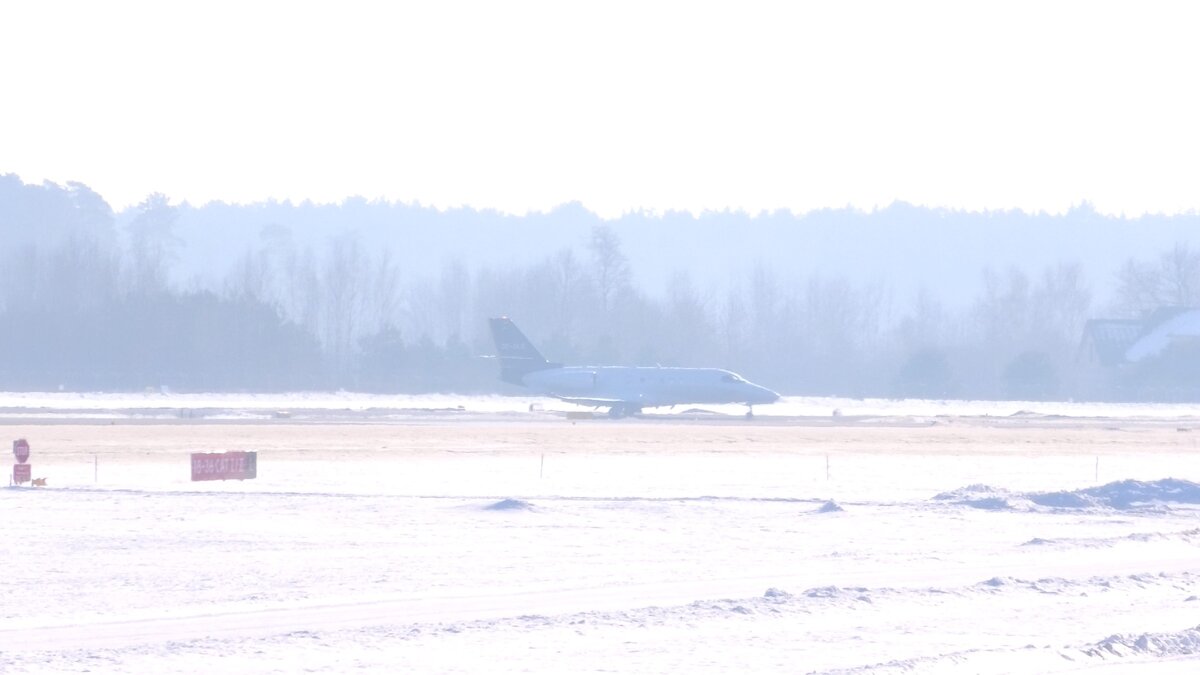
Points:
(518, 356)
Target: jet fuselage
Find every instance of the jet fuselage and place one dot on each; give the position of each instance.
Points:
(646, 386)
(623, 389)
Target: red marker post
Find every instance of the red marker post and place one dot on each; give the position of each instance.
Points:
(22, 472)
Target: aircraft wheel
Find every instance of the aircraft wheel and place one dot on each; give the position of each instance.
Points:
(618, 411)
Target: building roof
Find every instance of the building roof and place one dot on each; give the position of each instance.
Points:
(1109, 339)
(1171, 327)
(1117, 341)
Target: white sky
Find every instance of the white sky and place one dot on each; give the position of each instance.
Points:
(620, 105)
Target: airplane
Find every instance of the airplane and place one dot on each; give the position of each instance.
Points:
(624, 390)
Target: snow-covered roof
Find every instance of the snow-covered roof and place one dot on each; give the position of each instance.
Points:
(1182, 325)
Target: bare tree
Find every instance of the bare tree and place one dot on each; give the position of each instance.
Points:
(383, 295)
(344, 283)
(687, 332)
(611, 267)
(19, 277)
(1174, 281)
(300, 294)
(572, 293)
(1180, 276)
(765, 308)
(1005, 311)
(926, 324)
(252, 277)
(1137, 288)
(454, 296)
(734, 331)
(1061, 303)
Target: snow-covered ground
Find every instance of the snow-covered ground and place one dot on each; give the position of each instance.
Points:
(928, 539)
(169, 405)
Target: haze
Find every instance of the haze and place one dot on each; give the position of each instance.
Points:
(861, 199)
(625, 106)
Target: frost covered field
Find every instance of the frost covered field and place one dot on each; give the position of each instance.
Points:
(472, 535)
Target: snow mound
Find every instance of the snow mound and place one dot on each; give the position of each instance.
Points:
(1126, 494)
(1182, 643)
(1120, 495)
(823, 592)
(509, 505)
(964, 492)
(830, 507)
(1064, 500)
(979, 497)
(839, 593)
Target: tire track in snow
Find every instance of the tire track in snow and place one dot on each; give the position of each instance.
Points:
(484, 608)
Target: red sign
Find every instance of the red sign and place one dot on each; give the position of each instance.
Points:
(21, 450)
(22, 473)
(224, 465)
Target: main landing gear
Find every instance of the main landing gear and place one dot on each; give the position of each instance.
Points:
(623, 410)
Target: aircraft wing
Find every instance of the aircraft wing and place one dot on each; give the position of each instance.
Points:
(594, 400)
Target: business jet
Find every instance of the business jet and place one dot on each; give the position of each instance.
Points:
(624, 390)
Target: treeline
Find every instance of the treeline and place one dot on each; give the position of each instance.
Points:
(87, 305)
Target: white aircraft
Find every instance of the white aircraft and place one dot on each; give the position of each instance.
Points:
(624, 390)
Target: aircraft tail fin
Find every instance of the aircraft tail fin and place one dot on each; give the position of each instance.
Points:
(518, 356)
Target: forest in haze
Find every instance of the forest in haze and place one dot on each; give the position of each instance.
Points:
(384, 297)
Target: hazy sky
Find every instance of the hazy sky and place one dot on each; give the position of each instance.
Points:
(620, 105)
